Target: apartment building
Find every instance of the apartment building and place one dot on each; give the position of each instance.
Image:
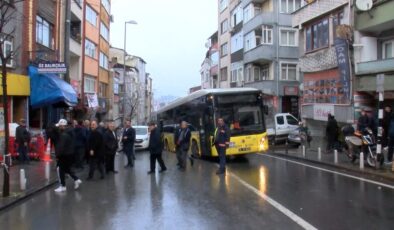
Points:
(224, 39)
(96, 72)
(210, 67)
(324, 38)
(271, 52)
(373, 53)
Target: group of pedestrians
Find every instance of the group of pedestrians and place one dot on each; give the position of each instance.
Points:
(88, 142)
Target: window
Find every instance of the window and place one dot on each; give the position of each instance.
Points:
(223, 49)
(288, 37)
(237, 42)
(44, 32)
(223, 74)
(90, 48)
(261, 73)
(337, 20)
(91, 15)
(223, 5)
(248, 12)
(103, 60)
(236, 16)
(250, 41)
(214, 58)
(317, 35)
(7, 49)
(104, 32)
(289, 6)
(288, 71)
(237, 73)
(206, 77)
(280, 120)
(116, 86)
(291, 120)
(388, 49)
(89, 85)
(103, 89)
(267, 35)
(106, 5)
(224, 26)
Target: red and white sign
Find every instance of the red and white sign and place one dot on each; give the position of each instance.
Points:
(321, 111)
(291, 91)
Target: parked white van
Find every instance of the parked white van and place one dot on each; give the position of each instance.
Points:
(280, 126)
(141, 137)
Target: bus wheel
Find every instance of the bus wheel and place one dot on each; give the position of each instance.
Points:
(166, 148)
(195, 153)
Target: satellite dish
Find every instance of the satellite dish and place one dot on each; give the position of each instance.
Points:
(364, 5)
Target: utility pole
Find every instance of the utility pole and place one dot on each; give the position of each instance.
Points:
(380, 90)
(67, 33)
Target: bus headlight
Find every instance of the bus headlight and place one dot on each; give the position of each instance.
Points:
(262, 141)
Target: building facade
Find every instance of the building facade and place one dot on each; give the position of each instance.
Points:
(324, 28)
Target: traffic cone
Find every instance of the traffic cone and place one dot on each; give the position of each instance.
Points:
(47, 155)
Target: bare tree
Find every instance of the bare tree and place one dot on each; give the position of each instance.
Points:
(131, 106)
(7, 32)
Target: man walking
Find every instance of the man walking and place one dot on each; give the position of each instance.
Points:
(332, 133)
(386, 125)
(111, 145)
(80, 140)
(155, 149)
(182, 143)
(221, 142)
(22, 137)
(64, 154)
(96, 151)
(128, 140)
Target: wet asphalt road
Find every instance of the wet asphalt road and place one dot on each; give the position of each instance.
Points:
(258, 192)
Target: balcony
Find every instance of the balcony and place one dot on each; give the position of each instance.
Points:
(261, 53)
(247, 2)
(318, 61)
(265, 18)
(315, 9)
(379, 18)
(375, 67)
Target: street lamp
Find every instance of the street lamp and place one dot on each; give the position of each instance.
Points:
(124, 61)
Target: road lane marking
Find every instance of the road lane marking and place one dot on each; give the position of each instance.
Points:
(330, 171)
(301, 222)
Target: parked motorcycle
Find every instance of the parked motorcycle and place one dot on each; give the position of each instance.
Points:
(361, 141)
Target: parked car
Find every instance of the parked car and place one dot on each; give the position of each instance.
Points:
(280, 126)
(299, 136)
(141, 137)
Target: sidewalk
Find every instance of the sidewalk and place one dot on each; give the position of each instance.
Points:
(311, 155)
(39, 175)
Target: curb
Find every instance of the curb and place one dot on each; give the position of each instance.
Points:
(26, 195)
(338, 166)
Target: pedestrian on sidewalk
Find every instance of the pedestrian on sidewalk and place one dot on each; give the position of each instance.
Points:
(111, 145)
(221, 142)
(391, 141)
(22, 137)
(155, 148)
(80, 140)
(128, 140)
(96, 151)
(182, 143)
(332, 133)
(64, 154)
(386, 125)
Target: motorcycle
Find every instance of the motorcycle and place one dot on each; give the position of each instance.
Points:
(357, 142)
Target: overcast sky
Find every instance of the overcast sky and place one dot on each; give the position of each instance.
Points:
(170, 37)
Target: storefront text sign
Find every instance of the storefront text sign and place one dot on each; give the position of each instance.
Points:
(342, 50)
(54, 67)
(320, 112)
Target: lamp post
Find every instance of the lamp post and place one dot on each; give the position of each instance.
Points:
(124, 62)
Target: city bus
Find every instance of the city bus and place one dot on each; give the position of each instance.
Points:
(241, 108)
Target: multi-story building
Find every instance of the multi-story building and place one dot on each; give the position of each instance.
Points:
(148, 98)
(373, 53)
(210, 66)
(224, 39)
(271, 52)
(236, 44)
(139, 64)
(96, 72)
(324, 36)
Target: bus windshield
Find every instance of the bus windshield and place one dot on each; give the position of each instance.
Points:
(242, 118)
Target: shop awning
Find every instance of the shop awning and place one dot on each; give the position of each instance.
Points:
(49, 89)
(17, 85)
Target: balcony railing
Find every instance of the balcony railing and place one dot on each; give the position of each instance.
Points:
(375, 67)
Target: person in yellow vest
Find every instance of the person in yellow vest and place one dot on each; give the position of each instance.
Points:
(221, 142)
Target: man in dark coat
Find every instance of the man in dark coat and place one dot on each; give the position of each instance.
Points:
(221, 142)
(331, 133)
(182, 143)
(111, 145)
(96, 151)
(64, 151)
(128, 139)
(22, 137)
(155, 149)
(80, 141)
(386, 125)
(364, 121)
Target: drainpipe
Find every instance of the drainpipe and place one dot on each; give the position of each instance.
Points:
(277, 52)
(67, 41)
